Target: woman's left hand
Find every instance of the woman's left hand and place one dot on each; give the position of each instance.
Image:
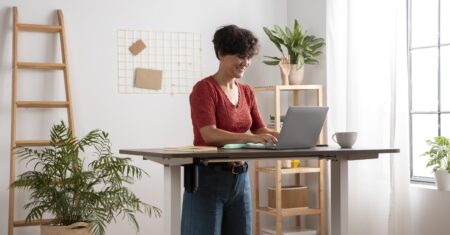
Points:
(264, 138)
(274, 134)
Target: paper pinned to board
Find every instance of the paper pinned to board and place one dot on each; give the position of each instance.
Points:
(148, 78)
(191, 149)
(137, 47)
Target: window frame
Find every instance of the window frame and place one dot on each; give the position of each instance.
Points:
(438, 45)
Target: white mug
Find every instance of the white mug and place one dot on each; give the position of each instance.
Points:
(286, 164)
(345, 139)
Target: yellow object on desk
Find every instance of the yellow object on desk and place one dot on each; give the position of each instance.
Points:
(295, 163)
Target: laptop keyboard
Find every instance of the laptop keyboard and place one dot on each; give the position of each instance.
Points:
(260, 145)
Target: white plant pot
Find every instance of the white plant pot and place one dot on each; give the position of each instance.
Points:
(442, 180)
(296, 76)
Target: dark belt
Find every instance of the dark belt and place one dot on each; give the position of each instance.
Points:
(228, 167)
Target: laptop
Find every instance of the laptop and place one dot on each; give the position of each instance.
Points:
(301, 129)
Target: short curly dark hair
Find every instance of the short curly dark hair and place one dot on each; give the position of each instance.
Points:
(232, 40)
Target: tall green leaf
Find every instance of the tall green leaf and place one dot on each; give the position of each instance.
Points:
(301, 47)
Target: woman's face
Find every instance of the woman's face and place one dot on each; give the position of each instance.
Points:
(235, 65)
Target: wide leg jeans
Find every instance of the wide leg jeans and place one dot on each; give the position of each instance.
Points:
(221, 206)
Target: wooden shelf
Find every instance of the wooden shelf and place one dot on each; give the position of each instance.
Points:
(278, 171)
(297, 170)
(290, 211)
(289, 230)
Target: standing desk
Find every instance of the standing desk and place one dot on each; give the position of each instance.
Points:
(173, 160)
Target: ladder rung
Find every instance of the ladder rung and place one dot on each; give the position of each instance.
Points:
(42, 104)
(39, 28)
(48, 66)
(29, 143)
(22, 223)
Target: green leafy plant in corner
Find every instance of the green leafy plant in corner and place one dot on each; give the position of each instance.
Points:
(301, 47)
(439, 153)
(96, 193)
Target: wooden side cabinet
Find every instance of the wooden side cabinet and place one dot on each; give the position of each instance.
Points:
(278, 171)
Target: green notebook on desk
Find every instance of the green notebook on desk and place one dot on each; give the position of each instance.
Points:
(243, 146)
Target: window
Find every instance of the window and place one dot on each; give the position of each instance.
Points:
(429, 78)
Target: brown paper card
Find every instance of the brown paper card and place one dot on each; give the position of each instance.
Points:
(137, 47)
(148, 78)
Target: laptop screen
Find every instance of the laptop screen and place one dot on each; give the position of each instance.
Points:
(302, 127)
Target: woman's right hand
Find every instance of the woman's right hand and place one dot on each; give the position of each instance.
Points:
(264, 138)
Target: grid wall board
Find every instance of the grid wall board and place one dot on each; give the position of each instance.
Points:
(177, 54)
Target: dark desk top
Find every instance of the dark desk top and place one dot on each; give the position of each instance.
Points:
(254, 154)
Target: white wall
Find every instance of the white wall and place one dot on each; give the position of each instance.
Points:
(132, 120)
(430, 210)
(311, 15)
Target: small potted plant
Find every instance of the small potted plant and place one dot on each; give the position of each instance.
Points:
(82, 197)
(439, 158)
(301, 47)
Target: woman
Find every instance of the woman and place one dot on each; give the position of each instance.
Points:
(223, 111)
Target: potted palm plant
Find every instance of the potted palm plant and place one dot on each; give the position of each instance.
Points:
(439, 159)
(301, 47)
(82, 197)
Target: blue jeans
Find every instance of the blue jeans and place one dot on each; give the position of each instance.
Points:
(221, 205)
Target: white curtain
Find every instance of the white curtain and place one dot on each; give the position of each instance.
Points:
(367, 93)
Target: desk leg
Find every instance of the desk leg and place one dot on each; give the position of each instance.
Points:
(339, 197)
(172, 200)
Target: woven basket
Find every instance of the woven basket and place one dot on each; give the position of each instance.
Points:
(79, 228)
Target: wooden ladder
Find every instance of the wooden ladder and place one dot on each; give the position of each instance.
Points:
(67, 104)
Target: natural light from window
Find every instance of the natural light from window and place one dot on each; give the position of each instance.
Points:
(429, 76)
